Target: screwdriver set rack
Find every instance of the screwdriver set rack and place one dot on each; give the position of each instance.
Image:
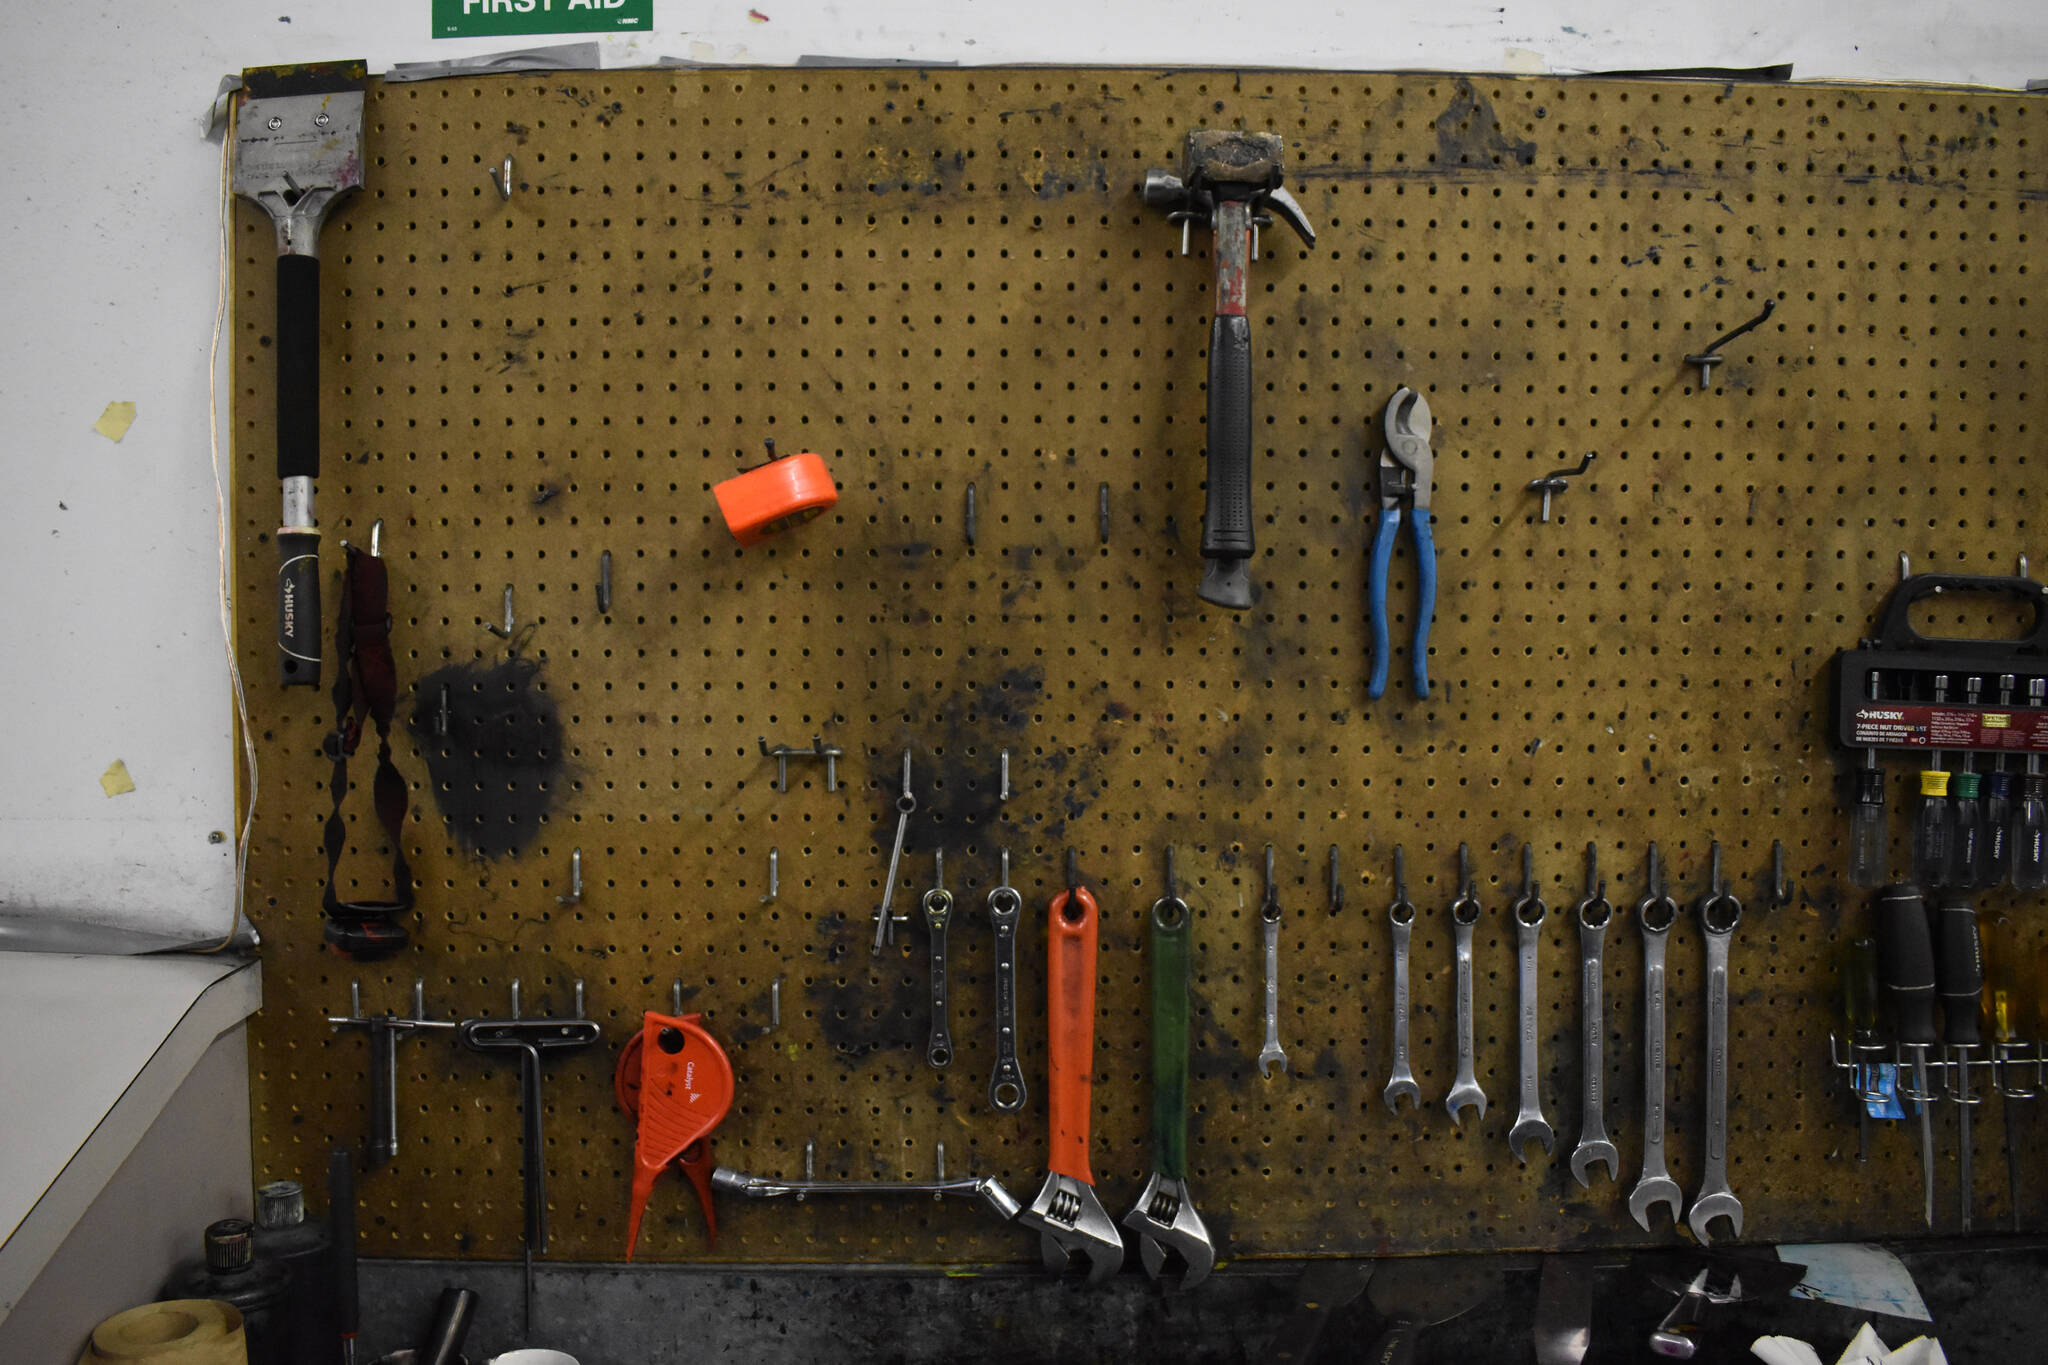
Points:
(950, 287)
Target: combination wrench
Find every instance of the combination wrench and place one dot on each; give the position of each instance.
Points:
(1006, 1083)
(906, 802)
(1401, 1078)
(1272, 1053)
(1656, 912)
(1719, 913)
(938, 915)
(1465, 1091)
(1529, 911)
(1594, 1149)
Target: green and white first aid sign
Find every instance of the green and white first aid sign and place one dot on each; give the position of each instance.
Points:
(488, 18)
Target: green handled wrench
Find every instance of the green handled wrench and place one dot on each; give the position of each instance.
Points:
(1165, 1218)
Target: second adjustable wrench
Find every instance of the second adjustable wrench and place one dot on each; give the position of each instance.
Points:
(1529, 911)
(1069, 1218)
(1164, 1217)
(938, 914)
(1006, 1083)
(1272, 1054)
(1401, 1077)
(1719, 914)
(1656, 912)
(1594, 1149)
(1465, 1092)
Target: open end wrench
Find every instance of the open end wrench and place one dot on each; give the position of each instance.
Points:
(1006, 1083)
(1070, 1220)
(1594, 1149)
(1529, 911)
(1465, 1091)
(1656, 912)
(1719, 913)
(1401, 1080)
(938, 915)
(1164, 1217)
(1272, 1054)
(906, 803)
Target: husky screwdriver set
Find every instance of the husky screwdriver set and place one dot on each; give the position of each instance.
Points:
(1140, 669)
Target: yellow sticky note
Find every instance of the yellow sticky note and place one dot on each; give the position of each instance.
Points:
(115, 780)
(115, 421)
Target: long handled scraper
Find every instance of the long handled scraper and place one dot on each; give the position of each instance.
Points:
(298, 153)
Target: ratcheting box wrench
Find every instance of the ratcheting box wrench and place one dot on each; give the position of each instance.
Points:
(1593, 913)
(1006, 1083)
(1164, 1217)
(1069, 1219)
(938, 914)
(1401, 1077)
(1719, 913)
(1529, 911)
(1465, 1092)
(1272, 1054)
(1405, 469)
(1656, 912)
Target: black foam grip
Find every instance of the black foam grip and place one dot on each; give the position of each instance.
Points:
(1227, 521)
(1959, 967)
(298, 366)
(298, 608)
(1905, 959)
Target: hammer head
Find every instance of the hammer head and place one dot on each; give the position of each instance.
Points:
(1233, 164)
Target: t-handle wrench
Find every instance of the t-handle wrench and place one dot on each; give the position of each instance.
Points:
(529, 1038)
(1069, 1218)
(1719, 914)
(1656, 912)
(1164, 1217)
(1594, 1149)
(1006, 1083)
(1465, 1091)
(384, 1031)
(1529, 911)
(1401, 1078)
(1272, 1054)
(938, 914)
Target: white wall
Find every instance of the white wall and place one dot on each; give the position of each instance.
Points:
(109, 619)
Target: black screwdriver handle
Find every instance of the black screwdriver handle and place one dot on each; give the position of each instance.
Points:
(1959, 964)
(1905, 958)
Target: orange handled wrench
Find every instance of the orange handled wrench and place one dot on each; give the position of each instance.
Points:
(1070, 1220)
(685, 1088)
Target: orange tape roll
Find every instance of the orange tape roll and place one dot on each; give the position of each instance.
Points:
(775, 496)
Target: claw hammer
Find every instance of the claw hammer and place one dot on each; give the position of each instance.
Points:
(1229, 180)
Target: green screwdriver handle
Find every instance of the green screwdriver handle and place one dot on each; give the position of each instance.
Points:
(1170, 936)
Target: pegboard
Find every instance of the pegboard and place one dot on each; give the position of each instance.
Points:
(946, 278)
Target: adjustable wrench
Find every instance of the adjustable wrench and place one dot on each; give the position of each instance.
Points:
(1594, 1149)
(1006, 1083)
(1465, 1091)
(1656, 912)
(1069, 1218)
(1719, 913)
(938, 914)
(906, 803)
(1272, 1053)
(1529, 911)
(1164, 1217)
(1401, 1079)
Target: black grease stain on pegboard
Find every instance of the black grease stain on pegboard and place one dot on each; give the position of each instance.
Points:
(498, 772)
(868, 1004)
(1468, 132)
